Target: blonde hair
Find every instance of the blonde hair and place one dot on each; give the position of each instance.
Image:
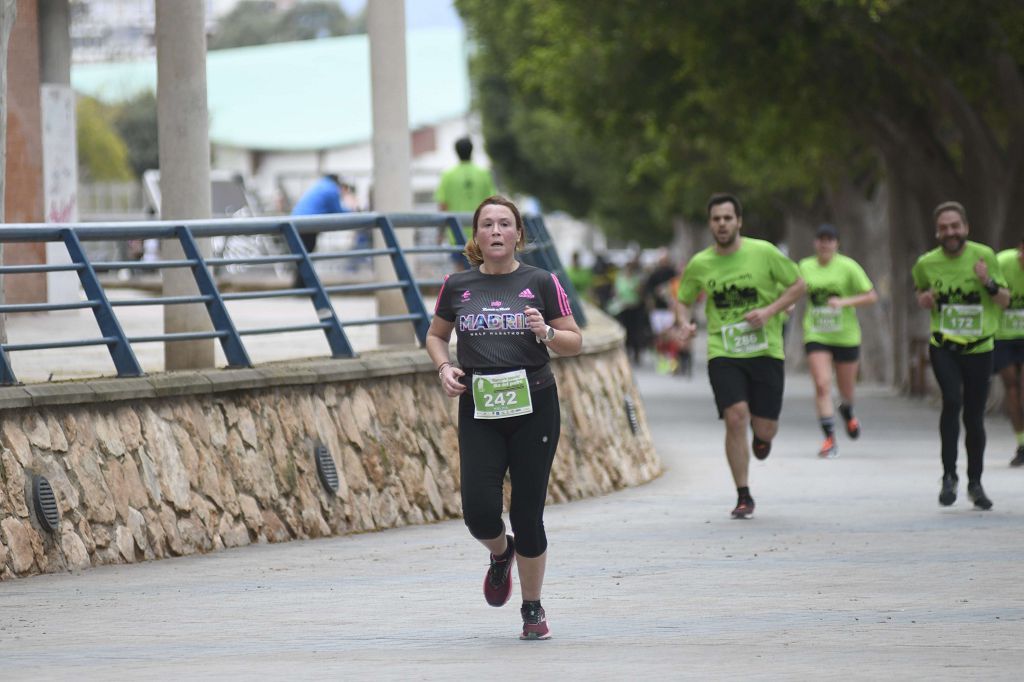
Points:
(472, 251)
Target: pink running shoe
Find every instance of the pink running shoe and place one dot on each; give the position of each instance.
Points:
(498, 581)
(535, 623)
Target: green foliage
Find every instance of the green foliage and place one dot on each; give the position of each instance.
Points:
(259, 22)
(633, 111)
(136, 122)
(102, 155)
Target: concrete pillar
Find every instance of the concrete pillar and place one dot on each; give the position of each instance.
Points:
(60, 149)
(392, 152)
(55, 41)
(8, 12)
(183, 129)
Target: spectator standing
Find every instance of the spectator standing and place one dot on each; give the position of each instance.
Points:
(461, 190)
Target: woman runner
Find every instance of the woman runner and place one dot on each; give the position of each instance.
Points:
(506, 315)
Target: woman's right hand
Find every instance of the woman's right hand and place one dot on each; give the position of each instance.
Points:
(450, 381)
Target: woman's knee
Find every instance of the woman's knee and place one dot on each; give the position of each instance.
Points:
(531, 540)
(822, 387)
(482, 515)
(484, 526)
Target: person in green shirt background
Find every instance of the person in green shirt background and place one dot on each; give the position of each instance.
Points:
(742, 278)
(961, 283)
(581, 277)
(1008, 355)
(463, 188)
(836, 285)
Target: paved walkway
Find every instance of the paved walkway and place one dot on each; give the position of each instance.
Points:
(850, 570)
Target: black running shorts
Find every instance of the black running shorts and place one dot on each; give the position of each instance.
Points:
(757, 381)
(839, 353)
(1007, 352)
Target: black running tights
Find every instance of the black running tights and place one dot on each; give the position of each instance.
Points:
(964, 380)
(525, 447)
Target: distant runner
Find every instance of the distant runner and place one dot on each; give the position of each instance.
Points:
(1008, 356)
(836, 284)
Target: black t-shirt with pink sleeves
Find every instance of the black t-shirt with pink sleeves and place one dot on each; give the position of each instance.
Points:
(487, 311)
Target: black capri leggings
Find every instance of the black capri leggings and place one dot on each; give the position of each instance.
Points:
(964, 380)
(525, 447)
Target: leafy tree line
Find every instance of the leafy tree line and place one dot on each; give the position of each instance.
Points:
(631, 112)
(260, 22)
(117, 142)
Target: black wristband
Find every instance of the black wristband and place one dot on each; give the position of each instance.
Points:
(992, 287)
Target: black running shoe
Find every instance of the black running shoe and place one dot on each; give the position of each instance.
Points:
(761, 448)
(1018, 460)
(978, 496)
(853, 428)
(535, 622)
(744, 508)
(498, 581)
(947, 495)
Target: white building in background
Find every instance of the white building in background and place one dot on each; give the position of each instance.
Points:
(283, 114)
(113, 30)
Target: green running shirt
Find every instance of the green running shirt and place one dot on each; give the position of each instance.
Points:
(842, 277)
(1011, 324)
(737, 283)
(964, 312)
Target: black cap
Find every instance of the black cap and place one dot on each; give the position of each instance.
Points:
(827, 230)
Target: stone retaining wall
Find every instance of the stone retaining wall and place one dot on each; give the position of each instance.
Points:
(191, 462)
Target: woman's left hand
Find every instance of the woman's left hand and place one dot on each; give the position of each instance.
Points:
(536, 322)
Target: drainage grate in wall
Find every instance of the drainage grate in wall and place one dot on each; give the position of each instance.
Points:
(45, 503)
(325, 467)
(634, 425)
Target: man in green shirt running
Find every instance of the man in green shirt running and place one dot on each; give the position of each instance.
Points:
(961, 283)
(836, 284)
(1008, 356)
(742, 277)
(461, 190)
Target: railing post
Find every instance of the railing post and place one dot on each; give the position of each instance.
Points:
(120, 350)
(234, 351)
(7, 377)
(336, 337)
(411, 291)
(549, 260)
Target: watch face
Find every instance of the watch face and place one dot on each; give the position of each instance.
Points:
(551, 333)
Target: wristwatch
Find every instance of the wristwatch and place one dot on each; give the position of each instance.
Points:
(549, 334)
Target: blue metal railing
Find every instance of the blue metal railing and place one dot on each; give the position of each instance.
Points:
(541, 253)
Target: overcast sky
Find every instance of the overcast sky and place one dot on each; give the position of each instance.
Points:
(418, 13)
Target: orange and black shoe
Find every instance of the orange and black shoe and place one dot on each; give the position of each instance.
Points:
(828, 448)
(761, 448)
(853, 428)
(498, 581)
(744, 508)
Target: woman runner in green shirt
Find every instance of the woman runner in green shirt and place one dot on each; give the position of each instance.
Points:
(836, 284)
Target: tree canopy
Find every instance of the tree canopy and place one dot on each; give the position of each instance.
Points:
(260, 22)
(102, 154)
(632, 111)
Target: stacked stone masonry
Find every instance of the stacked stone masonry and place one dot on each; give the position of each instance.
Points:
(167, 476)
